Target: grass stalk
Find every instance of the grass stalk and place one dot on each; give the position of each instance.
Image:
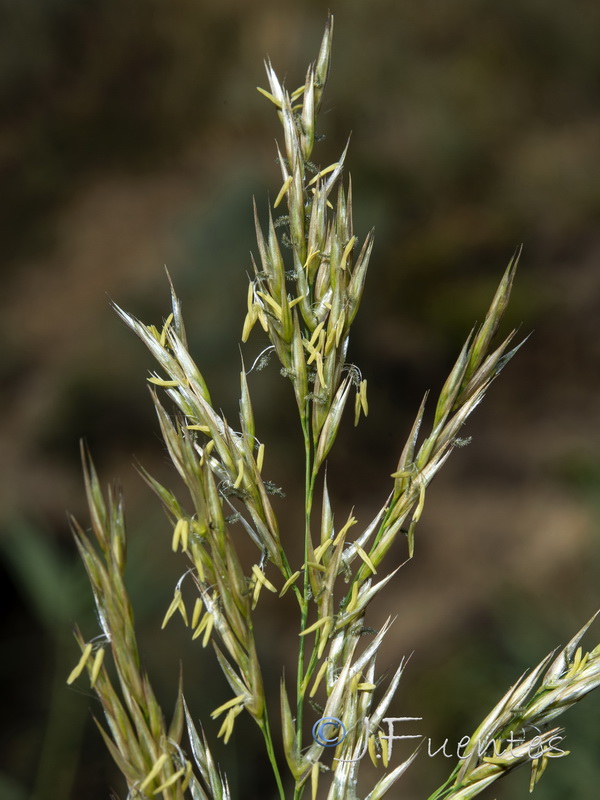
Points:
(309, 485)
(305, 292)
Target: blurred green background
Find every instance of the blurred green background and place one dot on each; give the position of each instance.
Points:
(131, 137)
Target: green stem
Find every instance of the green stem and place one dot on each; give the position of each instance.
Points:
(443, 790)
(266, 732)
(309, 483)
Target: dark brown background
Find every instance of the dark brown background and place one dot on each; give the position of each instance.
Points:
(132, 137)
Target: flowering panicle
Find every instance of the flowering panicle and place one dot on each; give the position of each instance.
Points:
(308, 278)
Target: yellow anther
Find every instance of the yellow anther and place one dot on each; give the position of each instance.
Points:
(346, 253)
(240, 475)
(260, 576)
(314, 565)
(170, 781)
(357, 408)
(162, 382)
(316, 334)
(197, 558)
(319, 678)
(373, 751)
(202, 626)
(198, 606)
(353, 598)
(316, 625)
(385, 755)
(234, 701)
(366, 559)
(262, 318)
(152, 329)
(163, 335)
(339, 328)
(350, 522)
(177, 604)
(273, 303)
(314, 353)
(309, 258)
(419, 509)
(256, 593)
(269, 96)
(322, 549)
(158, 765)
(188, 776)
(289, 582)
(363, 398)
(296, 300)
(314, 780)
(249, 321)
(227, 727)
(208, 630)
(180, 534)
(87, 651)
(96, 666)
(323, 172)
(260, 457)
(283, 190)
(324, 636)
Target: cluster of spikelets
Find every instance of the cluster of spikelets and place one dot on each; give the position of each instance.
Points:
(517, 730)
(306, 303)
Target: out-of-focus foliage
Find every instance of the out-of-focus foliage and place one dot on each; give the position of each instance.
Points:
(89, 85)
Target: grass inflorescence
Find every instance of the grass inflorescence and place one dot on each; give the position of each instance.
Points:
(305, 291)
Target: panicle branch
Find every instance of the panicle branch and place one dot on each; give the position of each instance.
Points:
(148, 753)
(517, 730)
